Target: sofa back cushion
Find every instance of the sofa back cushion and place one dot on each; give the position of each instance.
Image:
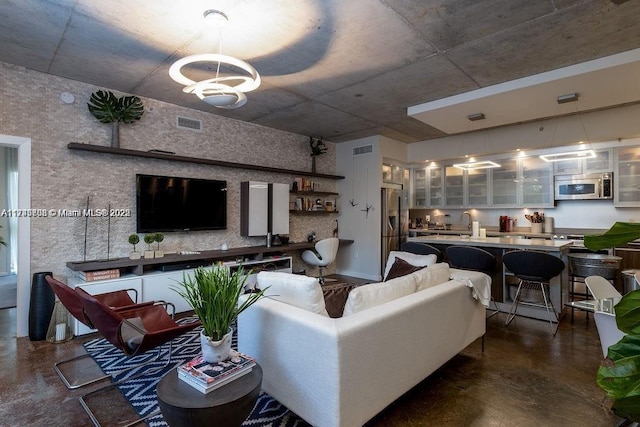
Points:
(413, 259)
(374, 294)
(294, 289)
(432, 275)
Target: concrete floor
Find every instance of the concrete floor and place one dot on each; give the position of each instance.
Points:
(526, 377)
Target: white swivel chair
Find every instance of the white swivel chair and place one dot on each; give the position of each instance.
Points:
(601, 288)
(608, 331)
(324, 254)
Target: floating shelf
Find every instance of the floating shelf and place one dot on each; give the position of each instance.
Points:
(179, 158)
(314, 193)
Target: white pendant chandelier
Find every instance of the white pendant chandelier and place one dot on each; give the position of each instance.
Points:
(226, 91)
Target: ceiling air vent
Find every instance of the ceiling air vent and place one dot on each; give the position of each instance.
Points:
(187, 123)
(363, 150)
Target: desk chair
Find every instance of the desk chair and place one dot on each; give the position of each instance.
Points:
(534, 269)
(118, 300)
(420, 248)
(133, 331)
(472, 258)
(324, 254)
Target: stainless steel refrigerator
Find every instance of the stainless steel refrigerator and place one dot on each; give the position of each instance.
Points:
(395, 222)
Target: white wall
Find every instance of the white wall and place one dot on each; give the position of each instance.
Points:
(363, 174)
(599, 126)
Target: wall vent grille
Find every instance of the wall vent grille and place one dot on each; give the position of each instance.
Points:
(362, 150)
(187, 123)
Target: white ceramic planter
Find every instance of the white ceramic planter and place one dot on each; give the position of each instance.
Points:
(216, 351)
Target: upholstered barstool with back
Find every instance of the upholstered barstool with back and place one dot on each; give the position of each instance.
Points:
(534, 269)
(420, 248)
(475, 259)
(322, 255)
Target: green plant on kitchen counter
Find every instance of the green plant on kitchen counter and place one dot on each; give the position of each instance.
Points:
(619, 373)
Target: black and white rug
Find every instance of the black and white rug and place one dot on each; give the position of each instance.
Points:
(141, 392)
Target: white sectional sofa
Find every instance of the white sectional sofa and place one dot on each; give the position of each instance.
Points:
(340, 372)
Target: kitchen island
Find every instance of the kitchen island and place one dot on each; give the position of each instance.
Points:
(504, 284)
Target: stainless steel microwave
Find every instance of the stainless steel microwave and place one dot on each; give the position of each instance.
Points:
(584, 187)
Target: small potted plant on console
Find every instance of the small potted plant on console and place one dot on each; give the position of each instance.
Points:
(149, 239)
(214, 293)
(159, 237)
(134, 239)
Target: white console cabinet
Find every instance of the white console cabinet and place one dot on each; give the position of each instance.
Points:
(158, 285)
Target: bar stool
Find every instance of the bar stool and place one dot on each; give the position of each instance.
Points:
(534, 269)
(472, 258)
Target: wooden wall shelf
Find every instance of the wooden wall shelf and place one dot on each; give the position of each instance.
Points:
(179, 158)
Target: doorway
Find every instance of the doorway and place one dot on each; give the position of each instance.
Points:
(15, 194)
(8, 227)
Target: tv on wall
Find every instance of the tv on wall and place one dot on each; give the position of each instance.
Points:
(166, 203)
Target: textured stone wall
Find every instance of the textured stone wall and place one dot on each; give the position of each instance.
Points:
(30, 106)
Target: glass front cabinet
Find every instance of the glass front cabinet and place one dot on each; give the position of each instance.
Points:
(524, 182)
(626, 177)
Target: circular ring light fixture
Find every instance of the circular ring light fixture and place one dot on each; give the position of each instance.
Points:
(218, 91)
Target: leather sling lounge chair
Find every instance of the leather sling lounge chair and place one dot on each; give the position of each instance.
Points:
(134, 331)
(118, 300)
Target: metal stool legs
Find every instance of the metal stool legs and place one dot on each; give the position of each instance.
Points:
(547, 303)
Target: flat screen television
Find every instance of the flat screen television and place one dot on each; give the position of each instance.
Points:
(165, 203)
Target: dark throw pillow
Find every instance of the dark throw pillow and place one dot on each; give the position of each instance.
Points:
(335, 297)
(400, 268)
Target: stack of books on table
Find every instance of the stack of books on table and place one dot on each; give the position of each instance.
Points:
(206, 377)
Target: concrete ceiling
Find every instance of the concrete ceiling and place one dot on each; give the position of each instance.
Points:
(347, 69)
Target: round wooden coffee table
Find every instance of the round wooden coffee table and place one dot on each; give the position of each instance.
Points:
(227, 406)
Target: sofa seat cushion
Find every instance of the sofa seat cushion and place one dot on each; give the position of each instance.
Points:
(294, 289)
(413, 259)
(432, 275)
(335, 297)
(374, 294)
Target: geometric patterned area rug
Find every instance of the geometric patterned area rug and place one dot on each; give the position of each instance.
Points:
(141, 392)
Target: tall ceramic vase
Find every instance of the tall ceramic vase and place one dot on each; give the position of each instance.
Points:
(216, 351)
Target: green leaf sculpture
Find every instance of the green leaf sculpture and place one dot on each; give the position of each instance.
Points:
(108, 108)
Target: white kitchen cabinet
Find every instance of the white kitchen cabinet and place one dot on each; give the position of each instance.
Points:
(504, 183)
(420, 181)
(453, 187)
(626, 177)
(536, 177)
(477, 188)
(436, 186)
(603, 162)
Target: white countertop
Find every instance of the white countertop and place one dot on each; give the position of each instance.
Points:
(496, 242)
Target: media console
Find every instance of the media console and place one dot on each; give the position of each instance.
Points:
(154, 278)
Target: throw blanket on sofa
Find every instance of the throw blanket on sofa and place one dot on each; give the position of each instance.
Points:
(480, 283)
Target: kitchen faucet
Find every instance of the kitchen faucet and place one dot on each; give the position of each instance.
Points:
(470, 219)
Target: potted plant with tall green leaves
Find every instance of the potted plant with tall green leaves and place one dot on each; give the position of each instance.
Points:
(214, 294)
(619, 373)
(108, 108)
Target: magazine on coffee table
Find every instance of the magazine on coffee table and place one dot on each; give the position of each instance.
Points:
(207, 375)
